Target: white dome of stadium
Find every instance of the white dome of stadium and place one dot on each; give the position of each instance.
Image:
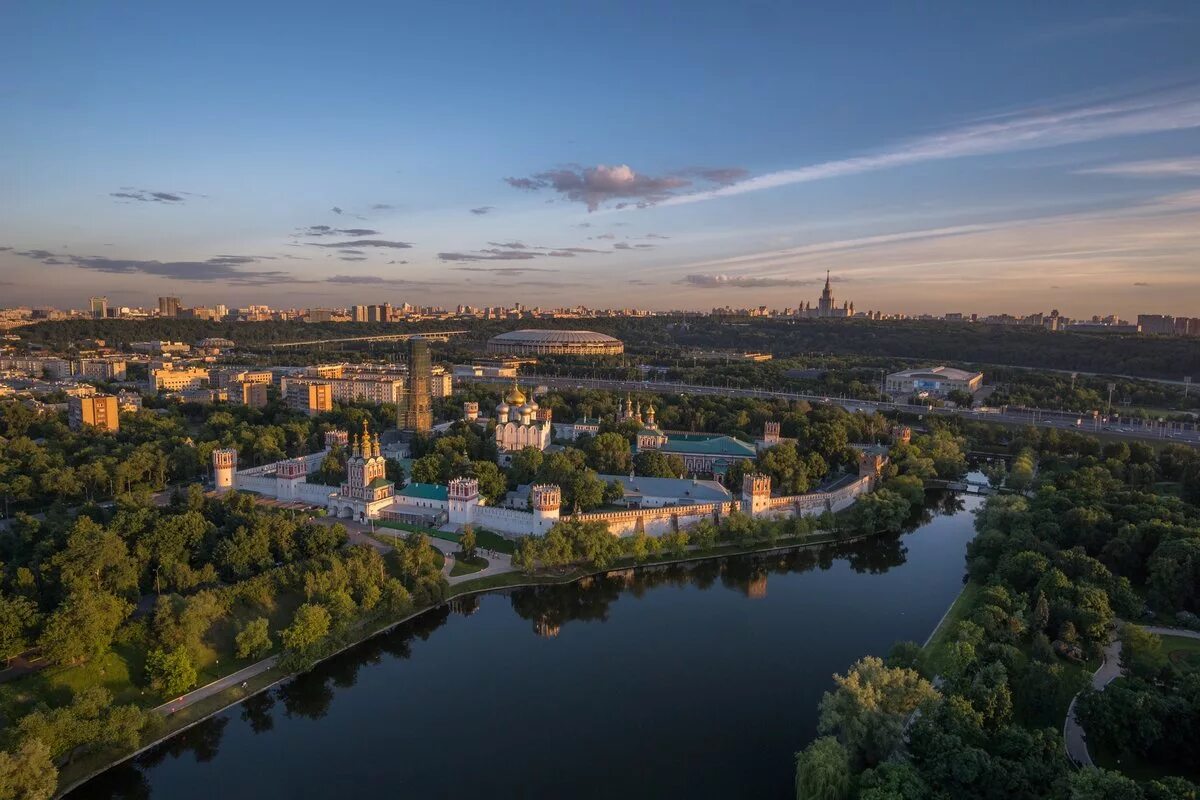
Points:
(555, 342)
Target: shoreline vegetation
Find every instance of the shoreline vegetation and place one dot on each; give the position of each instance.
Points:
(978, 710)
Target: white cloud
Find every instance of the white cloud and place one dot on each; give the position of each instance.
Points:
(1156, 168)
(1028, 131)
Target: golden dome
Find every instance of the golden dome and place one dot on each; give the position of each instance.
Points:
(515, 396)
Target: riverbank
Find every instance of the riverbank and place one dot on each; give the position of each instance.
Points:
(79, 772)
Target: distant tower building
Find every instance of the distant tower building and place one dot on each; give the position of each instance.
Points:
(224, 465)
(825, 304)
(470, 411)
(756, 493)
(168, 306)
(416, 408)
(336, 438)
(99, 307)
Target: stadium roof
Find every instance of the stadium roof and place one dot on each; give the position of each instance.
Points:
(548, 336)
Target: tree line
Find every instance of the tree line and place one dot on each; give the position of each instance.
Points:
(1089, 541)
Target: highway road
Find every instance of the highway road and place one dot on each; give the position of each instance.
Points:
(1181, 432)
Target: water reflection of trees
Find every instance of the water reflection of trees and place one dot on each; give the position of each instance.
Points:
(310, 694)
(256, 712)
(549, 607)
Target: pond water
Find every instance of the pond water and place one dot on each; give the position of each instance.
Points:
(694, 681)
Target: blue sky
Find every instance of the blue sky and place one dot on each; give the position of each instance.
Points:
(1020, 157)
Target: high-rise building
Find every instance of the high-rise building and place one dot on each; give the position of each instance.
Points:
(99, 410)
(1160, 324)
(248, 394)
(360, 313)
(307, 395)
(168, 306)
(415, 410)
(99, 307)
(379, 313)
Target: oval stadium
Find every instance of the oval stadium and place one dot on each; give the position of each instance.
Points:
(555, 342)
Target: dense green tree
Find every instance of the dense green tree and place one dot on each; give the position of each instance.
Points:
(82, 627)
(609, 454)
(467, 542)
(254, 639)
(1102, 784)
(823, 771)
(28, 772)
(18, 617)
(525, 466)
(704, 534)
(869, 707)
(310, 625)
(653, 464)
(170, 672)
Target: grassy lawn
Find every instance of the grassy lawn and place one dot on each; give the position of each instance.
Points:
(489, 540)
(1182, 650)
(514, 579)
(963, 606)
(464, 566)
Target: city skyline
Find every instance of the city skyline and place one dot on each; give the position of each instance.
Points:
(562, 159)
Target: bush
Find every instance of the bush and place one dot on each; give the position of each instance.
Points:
(1187, 619)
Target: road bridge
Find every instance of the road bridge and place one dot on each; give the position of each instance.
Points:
(434, 336)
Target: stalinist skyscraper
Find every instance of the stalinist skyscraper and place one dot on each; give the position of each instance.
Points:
(826, 306)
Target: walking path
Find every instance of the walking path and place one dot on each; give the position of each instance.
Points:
(1110, 670)
(1158, 630)
(1076, 739)
(219, 685)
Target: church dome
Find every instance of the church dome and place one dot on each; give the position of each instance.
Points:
(515, 396)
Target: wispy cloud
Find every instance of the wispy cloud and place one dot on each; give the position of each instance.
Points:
(1010, 133)
(375, 280)
(1102, 26)
(361, 243)
(1156, 168)
(504, 271)
(130, 193)
(1097, 253)
(481, 210)
(326, 230)
(740, 282)
(223, 268)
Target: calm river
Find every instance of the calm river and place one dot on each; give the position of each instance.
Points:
(695, 681)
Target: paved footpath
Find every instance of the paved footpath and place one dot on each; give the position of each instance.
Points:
(219, 685)
(1110, 670)
(1076, 739)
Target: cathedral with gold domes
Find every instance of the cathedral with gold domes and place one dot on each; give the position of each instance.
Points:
(520, 423)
